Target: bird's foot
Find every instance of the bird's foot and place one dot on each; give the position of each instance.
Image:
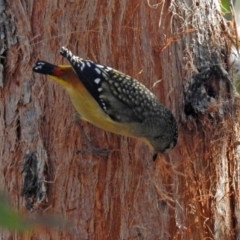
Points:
(102, 152)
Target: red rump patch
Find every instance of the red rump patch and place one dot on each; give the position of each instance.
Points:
(57, 71)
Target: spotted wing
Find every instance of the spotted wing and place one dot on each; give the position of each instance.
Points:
(124, 99)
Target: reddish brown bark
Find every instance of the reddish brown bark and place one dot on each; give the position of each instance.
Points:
(123, 195)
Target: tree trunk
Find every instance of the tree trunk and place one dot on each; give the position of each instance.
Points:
(51, 164)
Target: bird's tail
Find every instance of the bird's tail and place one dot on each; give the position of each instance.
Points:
(47, 68)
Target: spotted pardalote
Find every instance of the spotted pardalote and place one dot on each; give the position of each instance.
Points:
(114, 101)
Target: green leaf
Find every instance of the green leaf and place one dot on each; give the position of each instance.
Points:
(9, 218)
(226, 6)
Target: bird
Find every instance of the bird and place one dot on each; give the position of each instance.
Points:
(114, 101)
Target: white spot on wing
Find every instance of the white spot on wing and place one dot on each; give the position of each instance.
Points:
(88, 63)
(83, 66)
(69, 53)
(104, 75)
(98, 70)
(99, 89)
(97, 80)
(103, 105)
(100, 66)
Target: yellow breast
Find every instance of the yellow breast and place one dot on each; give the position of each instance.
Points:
(90, 111)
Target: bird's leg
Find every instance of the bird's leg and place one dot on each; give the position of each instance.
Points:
(103, 152)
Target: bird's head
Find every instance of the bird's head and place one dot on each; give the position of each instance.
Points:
(162, 144)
